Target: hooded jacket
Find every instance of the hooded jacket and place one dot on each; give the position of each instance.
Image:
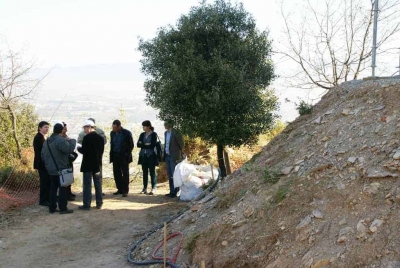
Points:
(61, 148)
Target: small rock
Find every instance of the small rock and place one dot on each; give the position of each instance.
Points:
(239, 223)
(346, 112)
(373, 229)
(342, 239)
(343, 222)
(286, 170)
(396, 156)
(352, 159)
(321, 263)
(317, 214)
(379, 108)
(303, 235)
(298, 162)
(377, 223)
(248, 212)
(318, 120)
(304, 223)
(375, 174)
(325, 138)
(224, 243)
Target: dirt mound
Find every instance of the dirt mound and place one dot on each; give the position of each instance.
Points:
(324, 193)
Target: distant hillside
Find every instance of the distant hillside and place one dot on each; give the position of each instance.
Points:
(99, 91)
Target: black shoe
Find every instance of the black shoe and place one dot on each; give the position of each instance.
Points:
(44, 203)
(117, 192)
(124, 194)
(72, 195)
(169, 195)
(53, 211)
(83, 208)
(71, 198)
(103, 194)
(68, 211)
(172, 195)
(99, 206)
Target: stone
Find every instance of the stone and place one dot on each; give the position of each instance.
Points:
(318, 120)
(352, 159)
(304, 223)
(346, 112)
(296, 168)
(396, 155)
(248, 212)
(341, 239)
(317, 214)
(373, 229)
(326, 138)
(361, 229)
(224, 243)
(343, 222)
(239, 223)
(376, 174)
(321, 263)
(286, 170)
(380, 107)
(298, 162)
(377, 223)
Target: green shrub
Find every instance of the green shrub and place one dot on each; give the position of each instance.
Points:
(304, 107)
(270, 176)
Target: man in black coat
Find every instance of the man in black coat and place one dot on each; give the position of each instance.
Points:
(121, 155)
(92, 150)
(38, 164)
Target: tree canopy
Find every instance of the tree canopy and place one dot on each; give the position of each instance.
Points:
(210, 73)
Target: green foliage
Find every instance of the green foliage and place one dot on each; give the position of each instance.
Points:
(270, 176)
(304, 107)
(27, 121)
(210, 72)
(281, 194)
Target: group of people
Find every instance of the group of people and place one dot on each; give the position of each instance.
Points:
(57, 152)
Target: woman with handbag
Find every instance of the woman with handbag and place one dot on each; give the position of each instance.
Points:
(55, 156)
(148, 156)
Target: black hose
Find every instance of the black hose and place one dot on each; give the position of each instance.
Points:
(139, 241)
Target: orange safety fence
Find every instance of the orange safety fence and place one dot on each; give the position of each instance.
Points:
(20, 189)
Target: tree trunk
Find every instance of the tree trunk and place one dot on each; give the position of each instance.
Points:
(14, 129)
(220, 155)
(227, 163)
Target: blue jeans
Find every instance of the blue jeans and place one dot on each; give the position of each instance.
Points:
(87, 188)
(170, 165)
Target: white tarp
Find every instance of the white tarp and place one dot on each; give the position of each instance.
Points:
(190, 178)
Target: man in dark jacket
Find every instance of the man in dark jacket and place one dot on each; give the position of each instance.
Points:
(121, 142)
(172, 153)
(38, 164)
(60, 149)
(92, 150)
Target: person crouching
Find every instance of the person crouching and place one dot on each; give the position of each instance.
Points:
(92, 150)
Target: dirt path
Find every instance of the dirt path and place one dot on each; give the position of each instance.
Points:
(96, 238)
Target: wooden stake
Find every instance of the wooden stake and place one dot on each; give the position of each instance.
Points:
(212, 172)
(165, 245)
(203, 264)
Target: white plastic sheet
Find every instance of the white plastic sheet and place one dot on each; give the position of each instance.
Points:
(190, 178)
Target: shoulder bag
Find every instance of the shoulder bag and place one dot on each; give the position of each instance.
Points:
(66, 175)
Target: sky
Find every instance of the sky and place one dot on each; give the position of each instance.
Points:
(76, 33)
(85, 32)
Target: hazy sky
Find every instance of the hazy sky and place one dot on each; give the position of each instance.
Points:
(84, 32)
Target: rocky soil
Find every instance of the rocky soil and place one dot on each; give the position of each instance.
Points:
(324, 193)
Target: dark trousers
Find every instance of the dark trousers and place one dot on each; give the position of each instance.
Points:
(170, 165)
(121, 173)
(62, 194)
(44, 192)
(148, 165)
(87, 188)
